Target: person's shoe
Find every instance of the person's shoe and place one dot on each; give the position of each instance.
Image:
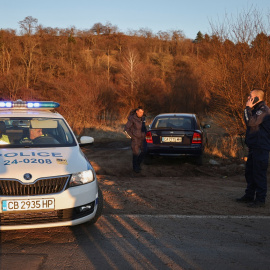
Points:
(136, 170)
(244, 199)
(256, 204)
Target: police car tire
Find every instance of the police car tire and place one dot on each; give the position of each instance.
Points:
(99, 208)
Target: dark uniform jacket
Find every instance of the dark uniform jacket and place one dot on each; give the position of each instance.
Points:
(135, 127)
(258, 126)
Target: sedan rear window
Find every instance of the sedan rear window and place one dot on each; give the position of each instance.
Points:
(173, 122)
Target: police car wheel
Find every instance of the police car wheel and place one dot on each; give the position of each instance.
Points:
(99, 208)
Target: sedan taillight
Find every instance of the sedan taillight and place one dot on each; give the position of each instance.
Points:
(148, 137)
(197, 138)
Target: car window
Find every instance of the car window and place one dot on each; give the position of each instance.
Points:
(173, 122)
(35, 132)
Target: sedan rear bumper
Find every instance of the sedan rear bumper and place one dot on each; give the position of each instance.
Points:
(165, 150)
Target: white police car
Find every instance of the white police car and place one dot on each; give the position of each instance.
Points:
(45, 179)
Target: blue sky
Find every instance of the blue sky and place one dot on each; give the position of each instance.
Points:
(190, 16)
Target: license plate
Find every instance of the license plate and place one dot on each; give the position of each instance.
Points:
(27, 205)
(172, 139)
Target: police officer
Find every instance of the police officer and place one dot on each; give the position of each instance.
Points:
(257, 119)
(136, 130)
(33, 134)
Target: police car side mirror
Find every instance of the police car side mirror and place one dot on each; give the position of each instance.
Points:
(85, 140)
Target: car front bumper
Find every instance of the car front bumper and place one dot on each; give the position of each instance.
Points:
(73, 206)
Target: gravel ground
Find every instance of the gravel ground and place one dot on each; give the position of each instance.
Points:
(168, 185)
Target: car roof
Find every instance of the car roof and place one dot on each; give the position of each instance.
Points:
(29, 113)
(176, 115)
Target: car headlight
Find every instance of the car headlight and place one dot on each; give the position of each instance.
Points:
(82, 178)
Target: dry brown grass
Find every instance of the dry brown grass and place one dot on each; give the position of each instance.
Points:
(222, 145)
(225, 147)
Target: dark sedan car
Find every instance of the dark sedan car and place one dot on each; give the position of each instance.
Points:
(175, 134)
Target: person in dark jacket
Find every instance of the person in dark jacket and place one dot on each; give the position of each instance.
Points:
(135, 128)
(257, 119)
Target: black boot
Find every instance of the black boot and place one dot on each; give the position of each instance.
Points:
(244, 199)
(135, 162)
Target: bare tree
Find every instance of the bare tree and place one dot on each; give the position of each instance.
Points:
(242, 28)
(129, 72)
(110, 29)
(98, 28)
(28, 25)
(5, 51)
(235, 68)
(164, 61)
(28, 57)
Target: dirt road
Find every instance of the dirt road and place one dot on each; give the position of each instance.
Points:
(174, 215)
(168, 185)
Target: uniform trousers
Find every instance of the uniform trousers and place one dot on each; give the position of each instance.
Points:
(256, 174)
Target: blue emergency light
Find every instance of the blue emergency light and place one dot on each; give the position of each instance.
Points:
(29, 104)
(7, 104)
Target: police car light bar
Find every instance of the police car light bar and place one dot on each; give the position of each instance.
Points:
(29, 104)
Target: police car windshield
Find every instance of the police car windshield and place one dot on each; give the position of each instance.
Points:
(34, 132)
